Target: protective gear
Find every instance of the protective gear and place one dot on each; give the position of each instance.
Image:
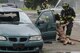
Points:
(68, 15)
(70, 18)
(38, 12)
(65, 5)
(69, 28)
(62, 21)
(73, 18)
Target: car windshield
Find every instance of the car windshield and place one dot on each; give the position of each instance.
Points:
(24, 18)
(14, 17)
(9, 16)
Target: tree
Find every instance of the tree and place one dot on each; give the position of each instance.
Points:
(34, 3)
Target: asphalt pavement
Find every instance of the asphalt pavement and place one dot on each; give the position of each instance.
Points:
(57, 47)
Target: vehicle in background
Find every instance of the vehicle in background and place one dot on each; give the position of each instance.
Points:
(11, 5)
(8, 5)
(3, 5)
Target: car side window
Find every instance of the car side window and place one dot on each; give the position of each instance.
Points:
(46, 16)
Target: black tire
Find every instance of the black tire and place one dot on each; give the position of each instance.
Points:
(40, 50)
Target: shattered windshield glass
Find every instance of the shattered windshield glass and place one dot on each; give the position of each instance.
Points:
(9, 16)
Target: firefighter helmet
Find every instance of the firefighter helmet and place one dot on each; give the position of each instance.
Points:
(65, 5)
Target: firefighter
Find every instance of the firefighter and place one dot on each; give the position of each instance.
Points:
(68, 15)
(45, 5)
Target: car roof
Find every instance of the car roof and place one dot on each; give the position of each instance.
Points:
(9, 9)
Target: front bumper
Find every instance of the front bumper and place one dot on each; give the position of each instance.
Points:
(27, 49)
(30, 46)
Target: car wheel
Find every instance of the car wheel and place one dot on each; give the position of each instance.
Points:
(40, 50)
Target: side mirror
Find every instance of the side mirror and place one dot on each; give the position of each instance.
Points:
(39, 22)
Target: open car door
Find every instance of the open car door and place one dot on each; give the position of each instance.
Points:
(47, 25)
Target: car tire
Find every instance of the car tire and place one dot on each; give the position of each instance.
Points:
(40, 50)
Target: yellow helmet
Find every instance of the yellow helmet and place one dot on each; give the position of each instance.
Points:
(65, 5)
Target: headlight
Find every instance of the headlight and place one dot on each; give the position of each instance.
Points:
(2, 38)
(35, 38)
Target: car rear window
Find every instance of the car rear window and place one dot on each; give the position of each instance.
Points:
(9, 16)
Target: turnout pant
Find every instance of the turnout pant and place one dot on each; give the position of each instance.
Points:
(68, 28)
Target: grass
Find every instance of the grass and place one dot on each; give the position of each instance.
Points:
(26, 9)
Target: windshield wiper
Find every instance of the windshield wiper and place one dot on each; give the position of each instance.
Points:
(11, 22)
(3, 22)
(17, 22)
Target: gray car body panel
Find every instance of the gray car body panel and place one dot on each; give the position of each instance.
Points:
(18, 30)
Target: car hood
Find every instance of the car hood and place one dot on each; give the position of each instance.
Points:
(18, 30)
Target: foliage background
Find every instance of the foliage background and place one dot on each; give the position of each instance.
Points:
(34, 3)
